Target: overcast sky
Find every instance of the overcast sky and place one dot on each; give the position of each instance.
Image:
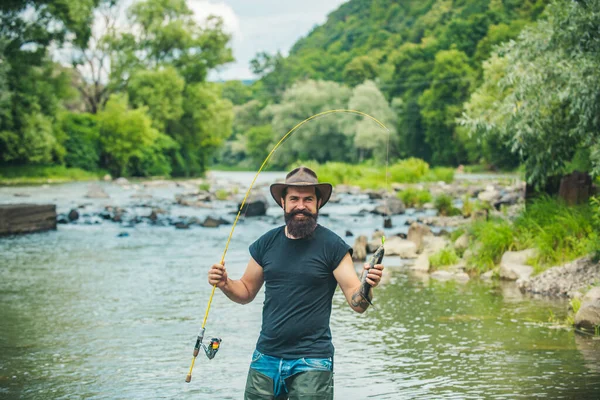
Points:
(262, 25)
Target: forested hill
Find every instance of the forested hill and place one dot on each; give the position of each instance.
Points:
(367, 32)
(426, 57)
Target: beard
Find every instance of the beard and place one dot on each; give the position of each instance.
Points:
(301, 228)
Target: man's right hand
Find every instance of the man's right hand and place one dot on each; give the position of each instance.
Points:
(217, 275)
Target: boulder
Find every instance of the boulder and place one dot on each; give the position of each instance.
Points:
(421, 263)
(490, 195)
(513, 272)
(396, 246)
(442, 275)
(349, 233)
(121, 181)
(73, 215)
(588, 316)
(434, 244)
(377, 235)
(564, 280)
(211, 222)
(518, 257)
(359, 250)
(461, 276)
(96, 192)
(462, 242)
(416, 232)
(508, 199)
(107, 178)
(486, 276)
(391, 206)
(256, 205)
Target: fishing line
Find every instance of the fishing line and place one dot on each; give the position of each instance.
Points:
(215, 342)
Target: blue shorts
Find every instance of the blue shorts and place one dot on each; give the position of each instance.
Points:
(273, 377)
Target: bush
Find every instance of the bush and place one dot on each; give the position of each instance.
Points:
(412, 197)
(411, 170)
(444, 204)
(441, 174)
(492, 238)
(443, 258)
(82, 143)
(560, 232)
(222, 194)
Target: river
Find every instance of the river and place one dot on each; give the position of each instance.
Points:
(88, 314)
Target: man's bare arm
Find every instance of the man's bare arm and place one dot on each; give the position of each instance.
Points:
(350, 284)
(243, 290)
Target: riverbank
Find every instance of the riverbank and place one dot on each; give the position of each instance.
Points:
(39, 175)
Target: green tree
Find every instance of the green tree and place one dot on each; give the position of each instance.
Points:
(370, 140)
(324, 139)
(442, 104)
(159, 90)
(550, 108)
(359, 70)
(237, 92)
(124, 133)
(82, 140)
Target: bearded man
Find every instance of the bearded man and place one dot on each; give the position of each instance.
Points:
(301, 263)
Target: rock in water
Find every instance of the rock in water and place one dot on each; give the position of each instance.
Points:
(359, 250)
(588, 316)
(256, 205)
(96, 192)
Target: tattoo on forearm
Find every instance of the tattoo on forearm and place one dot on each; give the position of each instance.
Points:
(359, 301)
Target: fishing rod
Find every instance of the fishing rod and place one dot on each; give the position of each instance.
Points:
(214, 345)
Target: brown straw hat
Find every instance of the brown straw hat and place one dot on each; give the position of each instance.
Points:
(301, 176)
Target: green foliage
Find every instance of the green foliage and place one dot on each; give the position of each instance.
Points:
(161, 91)
(124, 133)
(560, 234)
(38, 174)
(441, 174)
(412, 197)
(259, 143)
(445, 257)
(442, 103)
(204, 186)
(82, 143)
(445, 206)
(548, 78)
(411, 170)
(491, 239)
(237, 92)
(222, 194)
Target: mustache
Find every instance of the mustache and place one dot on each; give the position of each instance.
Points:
(303, 212)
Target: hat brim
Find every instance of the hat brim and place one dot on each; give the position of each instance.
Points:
(324, 188)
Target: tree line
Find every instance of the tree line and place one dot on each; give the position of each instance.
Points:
(499, 83)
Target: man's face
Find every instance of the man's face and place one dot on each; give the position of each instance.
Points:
(301, 210)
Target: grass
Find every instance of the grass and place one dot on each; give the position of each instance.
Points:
(412, 197)
(40, 174)
(559, 232)
(371, 176)
(443, 258)
(222, 194)
(444, 204)
(492, 238)
(204, 186)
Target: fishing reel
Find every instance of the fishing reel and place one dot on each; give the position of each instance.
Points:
(212, 348)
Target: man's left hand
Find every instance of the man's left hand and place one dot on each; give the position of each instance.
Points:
(374, 275)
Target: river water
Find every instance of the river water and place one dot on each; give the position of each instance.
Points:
(85, 313)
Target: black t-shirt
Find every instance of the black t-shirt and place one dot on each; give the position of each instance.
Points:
(299, 287)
